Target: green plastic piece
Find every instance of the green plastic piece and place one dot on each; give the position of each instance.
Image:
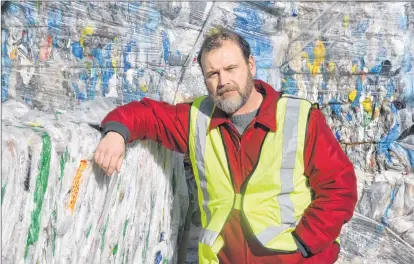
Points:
(103, 234)
(115, 249)
(39, 192)
(3, 191)
(63, 160)
(54, 215)
(125, 227)
(89, 231)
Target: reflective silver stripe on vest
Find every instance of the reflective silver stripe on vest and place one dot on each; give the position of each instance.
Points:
(290, 140)
(273, 231)
(269, 233)
(208, 237)
(202, 122)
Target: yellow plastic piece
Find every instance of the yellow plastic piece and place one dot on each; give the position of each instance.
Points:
(74, 193)
(352, 95)
(87, 31)
(143, 87)
(346, 22)
(319, 57)
(331, 66)
(354, 68)
(367, 105)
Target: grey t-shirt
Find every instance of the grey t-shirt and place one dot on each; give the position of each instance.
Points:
(242, 121)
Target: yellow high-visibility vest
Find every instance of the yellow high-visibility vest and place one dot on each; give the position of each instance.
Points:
(276, 194)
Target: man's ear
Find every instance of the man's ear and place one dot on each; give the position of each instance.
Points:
(252, 65)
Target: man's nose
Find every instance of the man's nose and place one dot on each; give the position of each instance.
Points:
(224, 78)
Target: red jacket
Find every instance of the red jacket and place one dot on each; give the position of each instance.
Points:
(331, 174)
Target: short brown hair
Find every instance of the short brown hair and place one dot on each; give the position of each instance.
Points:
(214, 40)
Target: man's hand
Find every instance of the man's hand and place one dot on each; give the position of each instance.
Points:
(110, 153)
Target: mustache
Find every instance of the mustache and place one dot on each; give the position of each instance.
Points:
(226, 89)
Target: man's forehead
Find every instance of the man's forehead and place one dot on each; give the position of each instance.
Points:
(228, 53)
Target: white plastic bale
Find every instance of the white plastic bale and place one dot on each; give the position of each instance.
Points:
(145, 210)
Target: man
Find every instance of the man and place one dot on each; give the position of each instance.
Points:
(274, 186)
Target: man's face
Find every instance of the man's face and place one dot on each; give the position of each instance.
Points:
(228, 77)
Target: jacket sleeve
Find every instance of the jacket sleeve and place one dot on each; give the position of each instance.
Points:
(333, 182)
(149, 119)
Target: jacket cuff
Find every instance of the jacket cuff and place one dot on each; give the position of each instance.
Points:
(116, 127)
(303, 249)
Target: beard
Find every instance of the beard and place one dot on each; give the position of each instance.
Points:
(230, 104)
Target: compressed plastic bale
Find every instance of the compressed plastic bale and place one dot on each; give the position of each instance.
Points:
(64, 194)
(68, 59)
(44, 192)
